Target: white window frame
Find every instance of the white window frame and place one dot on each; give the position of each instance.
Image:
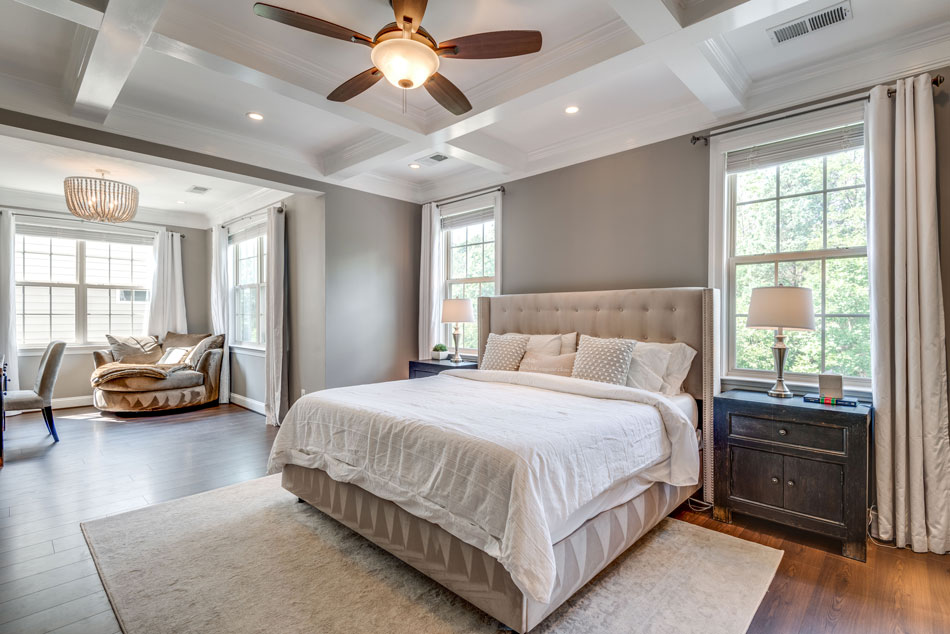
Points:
(721, 268)
(260, 285)
(483, 201)
(80, 315)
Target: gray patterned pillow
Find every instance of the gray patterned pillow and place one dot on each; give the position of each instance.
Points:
(504, 352)
(604, 360)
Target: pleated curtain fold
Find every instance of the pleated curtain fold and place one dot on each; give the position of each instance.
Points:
(8, 345)
(166, 312)
(220, 305)
(909, 364)
(431, 277)
(276, 337)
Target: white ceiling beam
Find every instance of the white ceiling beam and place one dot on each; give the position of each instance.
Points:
(68, 10)
(486, 152)
(106, 65)
(702, 67)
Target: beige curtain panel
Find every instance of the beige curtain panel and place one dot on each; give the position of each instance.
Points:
(909, 375)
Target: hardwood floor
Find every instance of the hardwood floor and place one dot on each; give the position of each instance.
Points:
(106, 465)
(101, 466)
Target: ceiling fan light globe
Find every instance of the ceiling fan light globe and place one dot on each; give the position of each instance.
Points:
(404, 62)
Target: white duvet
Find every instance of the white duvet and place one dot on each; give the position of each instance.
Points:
(502, 460)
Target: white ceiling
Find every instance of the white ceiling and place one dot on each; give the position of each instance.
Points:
(32, 173)
(640, 71)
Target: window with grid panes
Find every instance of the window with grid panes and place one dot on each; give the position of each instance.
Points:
(803, 223)
(248, 257)
(470, 271)
(78, 290)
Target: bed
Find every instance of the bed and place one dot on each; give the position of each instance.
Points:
(520, 555)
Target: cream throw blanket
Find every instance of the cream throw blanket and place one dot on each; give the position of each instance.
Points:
(495, 458)
(115, 370)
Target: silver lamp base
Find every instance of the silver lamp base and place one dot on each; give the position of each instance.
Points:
(779, 350)
(455, 336)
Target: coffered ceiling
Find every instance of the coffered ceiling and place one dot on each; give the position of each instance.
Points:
(186, 72)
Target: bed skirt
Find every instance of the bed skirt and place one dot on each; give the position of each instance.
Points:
(470, 572)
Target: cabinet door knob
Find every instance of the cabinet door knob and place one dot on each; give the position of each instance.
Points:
(774, 480)
(783, 432)
(791, 483)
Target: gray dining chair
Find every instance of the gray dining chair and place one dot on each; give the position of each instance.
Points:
(41, 396)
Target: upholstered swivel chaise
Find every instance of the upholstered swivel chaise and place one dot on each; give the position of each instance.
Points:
(182, 388)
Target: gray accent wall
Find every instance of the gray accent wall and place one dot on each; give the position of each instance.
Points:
(636, 219)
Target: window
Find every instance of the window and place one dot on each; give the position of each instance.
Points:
(77, 289)
(248, 256)
(800, 220)
(470, 236)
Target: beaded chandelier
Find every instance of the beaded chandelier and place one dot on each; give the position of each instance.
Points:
(100, 199)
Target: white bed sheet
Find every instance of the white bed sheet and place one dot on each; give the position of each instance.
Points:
(509, 462)
(687, 404)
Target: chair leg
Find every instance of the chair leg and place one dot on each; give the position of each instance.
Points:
(48, 415)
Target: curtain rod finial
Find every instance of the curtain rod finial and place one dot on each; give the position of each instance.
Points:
(697, 138)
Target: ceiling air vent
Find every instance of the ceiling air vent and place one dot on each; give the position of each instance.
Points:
(197, 189)
(432, 159)
(812, 22)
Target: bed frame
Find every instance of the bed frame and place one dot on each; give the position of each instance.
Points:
(666, 315)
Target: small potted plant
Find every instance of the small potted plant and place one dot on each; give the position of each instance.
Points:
(439, 352)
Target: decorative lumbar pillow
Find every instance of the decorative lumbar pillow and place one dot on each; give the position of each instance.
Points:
(174, 355)
(603, 360)
(134, 349)
(504, 352)
(182, 340)
(544, 344)
(569, 342)
(681, 359)
(561, 364)
(194, 355)
(647, 367)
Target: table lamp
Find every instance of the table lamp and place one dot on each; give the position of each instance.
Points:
(781, 308)
(455, 311)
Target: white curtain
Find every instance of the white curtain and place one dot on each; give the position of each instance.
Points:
(431, 281)
(166, 313)
(221, 305)
(275, 354)
(909, 376)
(8, 348)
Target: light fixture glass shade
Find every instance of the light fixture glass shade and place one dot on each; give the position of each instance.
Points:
(788, 307)
(405, 63)
(100, 199)
(457, 310)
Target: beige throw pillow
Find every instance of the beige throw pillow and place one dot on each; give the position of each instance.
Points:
(194, 355)
(560, 365)
(182, 340)
(553, 344)
(135, 349)
(504, 352)
(603, 360)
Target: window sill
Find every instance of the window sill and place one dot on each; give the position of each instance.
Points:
(248, 349)
(860, 392)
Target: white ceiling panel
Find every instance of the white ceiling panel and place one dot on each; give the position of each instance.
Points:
(33, 45)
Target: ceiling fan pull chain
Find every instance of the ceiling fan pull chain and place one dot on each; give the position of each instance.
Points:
(404, 101)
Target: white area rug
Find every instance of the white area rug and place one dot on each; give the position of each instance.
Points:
(249, 558)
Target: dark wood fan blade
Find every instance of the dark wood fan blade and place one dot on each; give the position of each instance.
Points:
(355, 85)
(447, 94)
(492, 45)
(310, 23)
(411, 10)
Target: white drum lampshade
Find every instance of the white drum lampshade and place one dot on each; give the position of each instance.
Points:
(781, 308)
(456, 311)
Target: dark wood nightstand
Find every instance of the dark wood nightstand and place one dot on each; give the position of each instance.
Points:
(800, 464)
(430, 367)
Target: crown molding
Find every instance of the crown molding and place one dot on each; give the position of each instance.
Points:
(40, 201)
(725, 61)
(255, 200)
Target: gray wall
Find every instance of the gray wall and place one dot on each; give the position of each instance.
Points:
(631, 220)
(247, 374)
(372, 286)
(73, 380)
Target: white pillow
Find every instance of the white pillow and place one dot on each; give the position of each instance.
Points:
(647, 367)
(553, 344)
(174, 356)
(681, 358)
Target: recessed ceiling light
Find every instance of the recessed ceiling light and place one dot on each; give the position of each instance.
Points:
(414, 166)
(572, 110)
(180, 202)
(257, 116)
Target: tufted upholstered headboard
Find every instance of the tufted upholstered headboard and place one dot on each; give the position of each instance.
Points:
(664, 315)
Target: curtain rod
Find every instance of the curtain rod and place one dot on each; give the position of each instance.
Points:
(38, 213)
(890, 93)
(468, 195)
(233, 221)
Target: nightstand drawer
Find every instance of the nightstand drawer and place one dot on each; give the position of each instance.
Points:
(788, 433)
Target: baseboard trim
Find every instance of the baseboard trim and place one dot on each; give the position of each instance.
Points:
(247, 403)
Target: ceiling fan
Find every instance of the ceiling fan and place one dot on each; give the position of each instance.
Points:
(406, 54)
